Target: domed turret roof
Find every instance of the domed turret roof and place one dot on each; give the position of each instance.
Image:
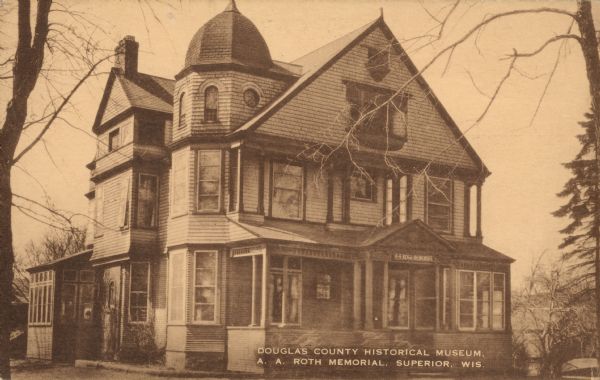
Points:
(229, 37)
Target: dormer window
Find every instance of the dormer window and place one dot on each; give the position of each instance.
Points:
(181, 113)
(377, 118)
(211, 104)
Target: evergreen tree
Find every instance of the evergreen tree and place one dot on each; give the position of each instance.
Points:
(581, 243)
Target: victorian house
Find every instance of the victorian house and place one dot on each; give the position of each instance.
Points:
(246, 203)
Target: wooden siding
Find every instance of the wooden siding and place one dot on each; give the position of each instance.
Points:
(250, 168)
(117, 102)
(39, 342)
(316, 195)
(163, 208)
(459, 208)
(159, 301)
(110, 238)
(313, 114)
(103, 158)
(369, 212)
(337, 198)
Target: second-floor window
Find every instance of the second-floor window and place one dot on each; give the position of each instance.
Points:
(362, 187)
(147, 201)
(114, 140)
(439, 204)
(209, 180)
(287, 191)
(211, 104)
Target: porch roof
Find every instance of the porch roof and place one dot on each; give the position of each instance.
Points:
(48, 264)
(318, 234)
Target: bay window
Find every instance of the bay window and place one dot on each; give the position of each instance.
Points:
(285, 289)
(287, 191)
(138, 291)
(439, 204)
(478, 307)
(147, 201)
(205, 286)
(209, 180)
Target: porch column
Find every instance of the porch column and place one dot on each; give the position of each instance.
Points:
(478, 233)
(253, 307)
(240, 181)
(369, 294)
(356, 293)
(384, 302)
(264, 306)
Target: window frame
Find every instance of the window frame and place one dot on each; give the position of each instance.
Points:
(371, 183)
(216, 309)
(285, 271)
(148, 268)
(156, 203)
(124, 214)
(301, 191)
(216, 110)
(116, 134)
(450, 204)
(493, 300)
(415, 274)
(41, 299)
(219, 186)
(475, 301)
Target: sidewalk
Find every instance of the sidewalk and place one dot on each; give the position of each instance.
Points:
(157, 370)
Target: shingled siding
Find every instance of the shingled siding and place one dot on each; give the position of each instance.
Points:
(312, 114)
(111, 239)
(232, 110)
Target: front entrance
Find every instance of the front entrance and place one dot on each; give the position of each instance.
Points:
(110, 312)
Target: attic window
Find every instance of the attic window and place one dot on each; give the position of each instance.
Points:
(211, 104)
(378, 63)
(379, 119)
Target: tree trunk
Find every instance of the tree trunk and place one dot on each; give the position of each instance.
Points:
(589, 46)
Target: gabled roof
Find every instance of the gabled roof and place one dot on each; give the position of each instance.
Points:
(316, 62)
(143, 91)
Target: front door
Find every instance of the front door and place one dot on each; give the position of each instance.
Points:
(110, 314)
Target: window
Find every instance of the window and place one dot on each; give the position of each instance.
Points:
(475, 302)
(287, 191)
(251, 98)
(211, 104)
(425, 298)
(362, 187)
(403, 206)
(378, 62)
(205, 287)
(181, 113)
(41, 298)
(147, 201)
(151, 134)
(285, 289)
(209, 180)
(398, 305)
(376, 114)
(324, 287)
(439, 204)
(177, 286)
(114, 140)
(396, 207)
(179, 184)
(498, 305)
(138, 292)
(389, 201)
(124, 203)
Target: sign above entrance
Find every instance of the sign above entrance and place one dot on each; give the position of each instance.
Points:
(412, 258)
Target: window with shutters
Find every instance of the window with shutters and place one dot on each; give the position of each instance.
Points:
(211, 104)
(147, 207)
(377, 117)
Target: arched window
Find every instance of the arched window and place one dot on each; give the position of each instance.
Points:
(181, 113)
(211, 103)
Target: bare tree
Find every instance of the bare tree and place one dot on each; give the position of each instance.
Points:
(553, 320)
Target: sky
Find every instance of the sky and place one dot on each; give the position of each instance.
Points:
(524, 156)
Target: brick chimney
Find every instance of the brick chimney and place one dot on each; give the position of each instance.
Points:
(127, 56)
